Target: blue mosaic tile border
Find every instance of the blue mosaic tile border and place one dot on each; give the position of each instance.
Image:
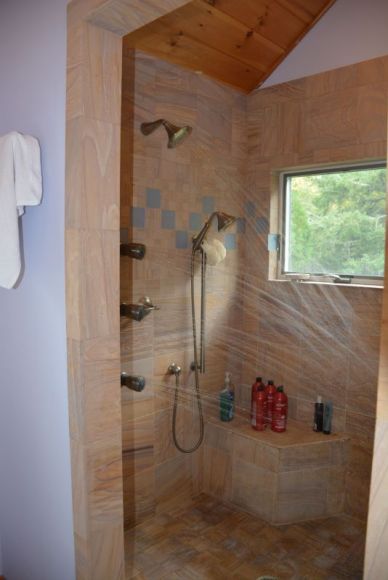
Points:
(154, 200)
(181, 239)
(168, 219)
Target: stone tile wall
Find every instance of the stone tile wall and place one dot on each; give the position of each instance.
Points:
(166, 197)
(316, 339)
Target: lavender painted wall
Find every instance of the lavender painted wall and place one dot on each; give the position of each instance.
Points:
(351, 31)
(35, 482)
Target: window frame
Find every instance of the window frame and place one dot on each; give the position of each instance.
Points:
(283, 202)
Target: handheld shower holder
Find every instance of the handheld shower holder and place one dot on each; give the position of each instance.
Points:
(174, 369)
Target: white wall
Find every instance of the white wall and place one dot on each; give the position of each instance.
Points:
(351, 31)
(35, 483)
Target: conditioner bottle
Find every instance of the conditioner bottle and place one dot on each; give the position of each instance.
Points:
(280, 411)
(270, 390)
(255, 387)
(260, 408)
(327, 417)
(318, 415)
(227, 400)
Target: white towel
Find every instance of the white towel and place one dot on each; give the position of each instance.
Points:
(20, 185)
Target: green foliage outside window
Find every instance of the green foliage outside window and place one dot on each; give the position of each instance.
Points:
(337, 222)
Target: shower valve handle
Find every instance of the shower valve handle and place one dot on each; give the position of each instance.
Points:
(135, 383)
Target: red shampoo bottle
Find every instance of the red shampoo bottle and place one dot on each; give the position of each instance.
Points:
(255, 386)
(261, 408)
(280, 411)
(270, 390)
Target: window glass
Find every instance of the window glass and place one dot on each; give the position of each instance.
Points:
(334, 222)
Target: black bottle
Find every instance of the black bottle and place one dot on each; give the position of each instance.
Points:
(318, 415)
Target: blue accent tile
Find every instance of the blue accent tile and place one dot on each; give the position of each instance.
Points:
(230, 241)
(261, 225)
(241, 225)
(250, 208)
(181, 239)
(273, 242)
(195, 221)
(138, 217)
(208, 204)
(168, 219)
(153, 197)
(123, 235)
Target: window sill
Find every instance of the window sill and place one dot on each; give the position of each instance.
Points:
(322, 283)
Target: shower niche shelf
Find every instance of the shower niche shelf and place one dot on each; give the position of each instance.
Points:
(133, 250)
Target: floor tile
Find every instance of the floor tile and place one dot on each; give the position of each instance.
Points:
(205, 539)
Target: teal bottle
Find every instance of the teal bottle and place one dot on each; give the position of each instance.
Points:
(227, 400)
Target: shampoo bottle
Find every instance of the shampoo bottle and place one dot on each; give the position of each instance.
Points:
(280, 411)
(318, 415)
(260, 408)
(227, 400)
(327, 417)
(270, 390)
(255, 387)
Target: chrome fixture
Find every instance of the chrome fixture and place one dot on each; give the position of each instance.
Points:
(138, 311)
(133, 250)
(175, 134)
(174, 369)
(135, 383)
(224, 220)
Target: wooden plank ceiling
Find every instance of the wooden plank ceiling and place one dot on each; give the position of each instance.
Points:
(237, 42)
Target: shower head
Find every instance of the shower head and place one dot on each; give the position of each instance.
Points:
(224, 220)
(175, 134)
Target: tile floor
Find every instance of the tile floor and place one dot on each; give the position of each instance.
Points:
(207, 539)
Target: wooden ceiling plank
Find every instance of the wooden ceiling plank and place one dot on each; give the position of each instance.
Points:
(220, 38)
(219, 31)
(203, 6)
(188, 52)
(267, 18)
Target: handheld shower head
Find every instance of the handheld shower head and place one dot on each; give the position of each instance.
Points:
(224, 220)
(175, 134)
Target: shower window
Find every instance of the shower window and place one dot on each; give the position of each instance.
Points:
(333, 224)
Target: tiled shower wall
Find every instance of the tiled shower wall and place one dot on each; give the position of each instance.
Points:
(166, 197)
(316, 339)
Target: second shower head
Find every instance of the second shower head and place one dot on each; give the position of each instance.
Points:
(175, 134)
(224, 220)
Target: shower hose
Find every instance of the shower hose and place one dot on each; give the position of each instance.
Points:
(196, 374)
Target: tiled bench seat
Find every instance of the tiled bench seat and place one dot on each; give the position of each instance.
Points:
(282, 477)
